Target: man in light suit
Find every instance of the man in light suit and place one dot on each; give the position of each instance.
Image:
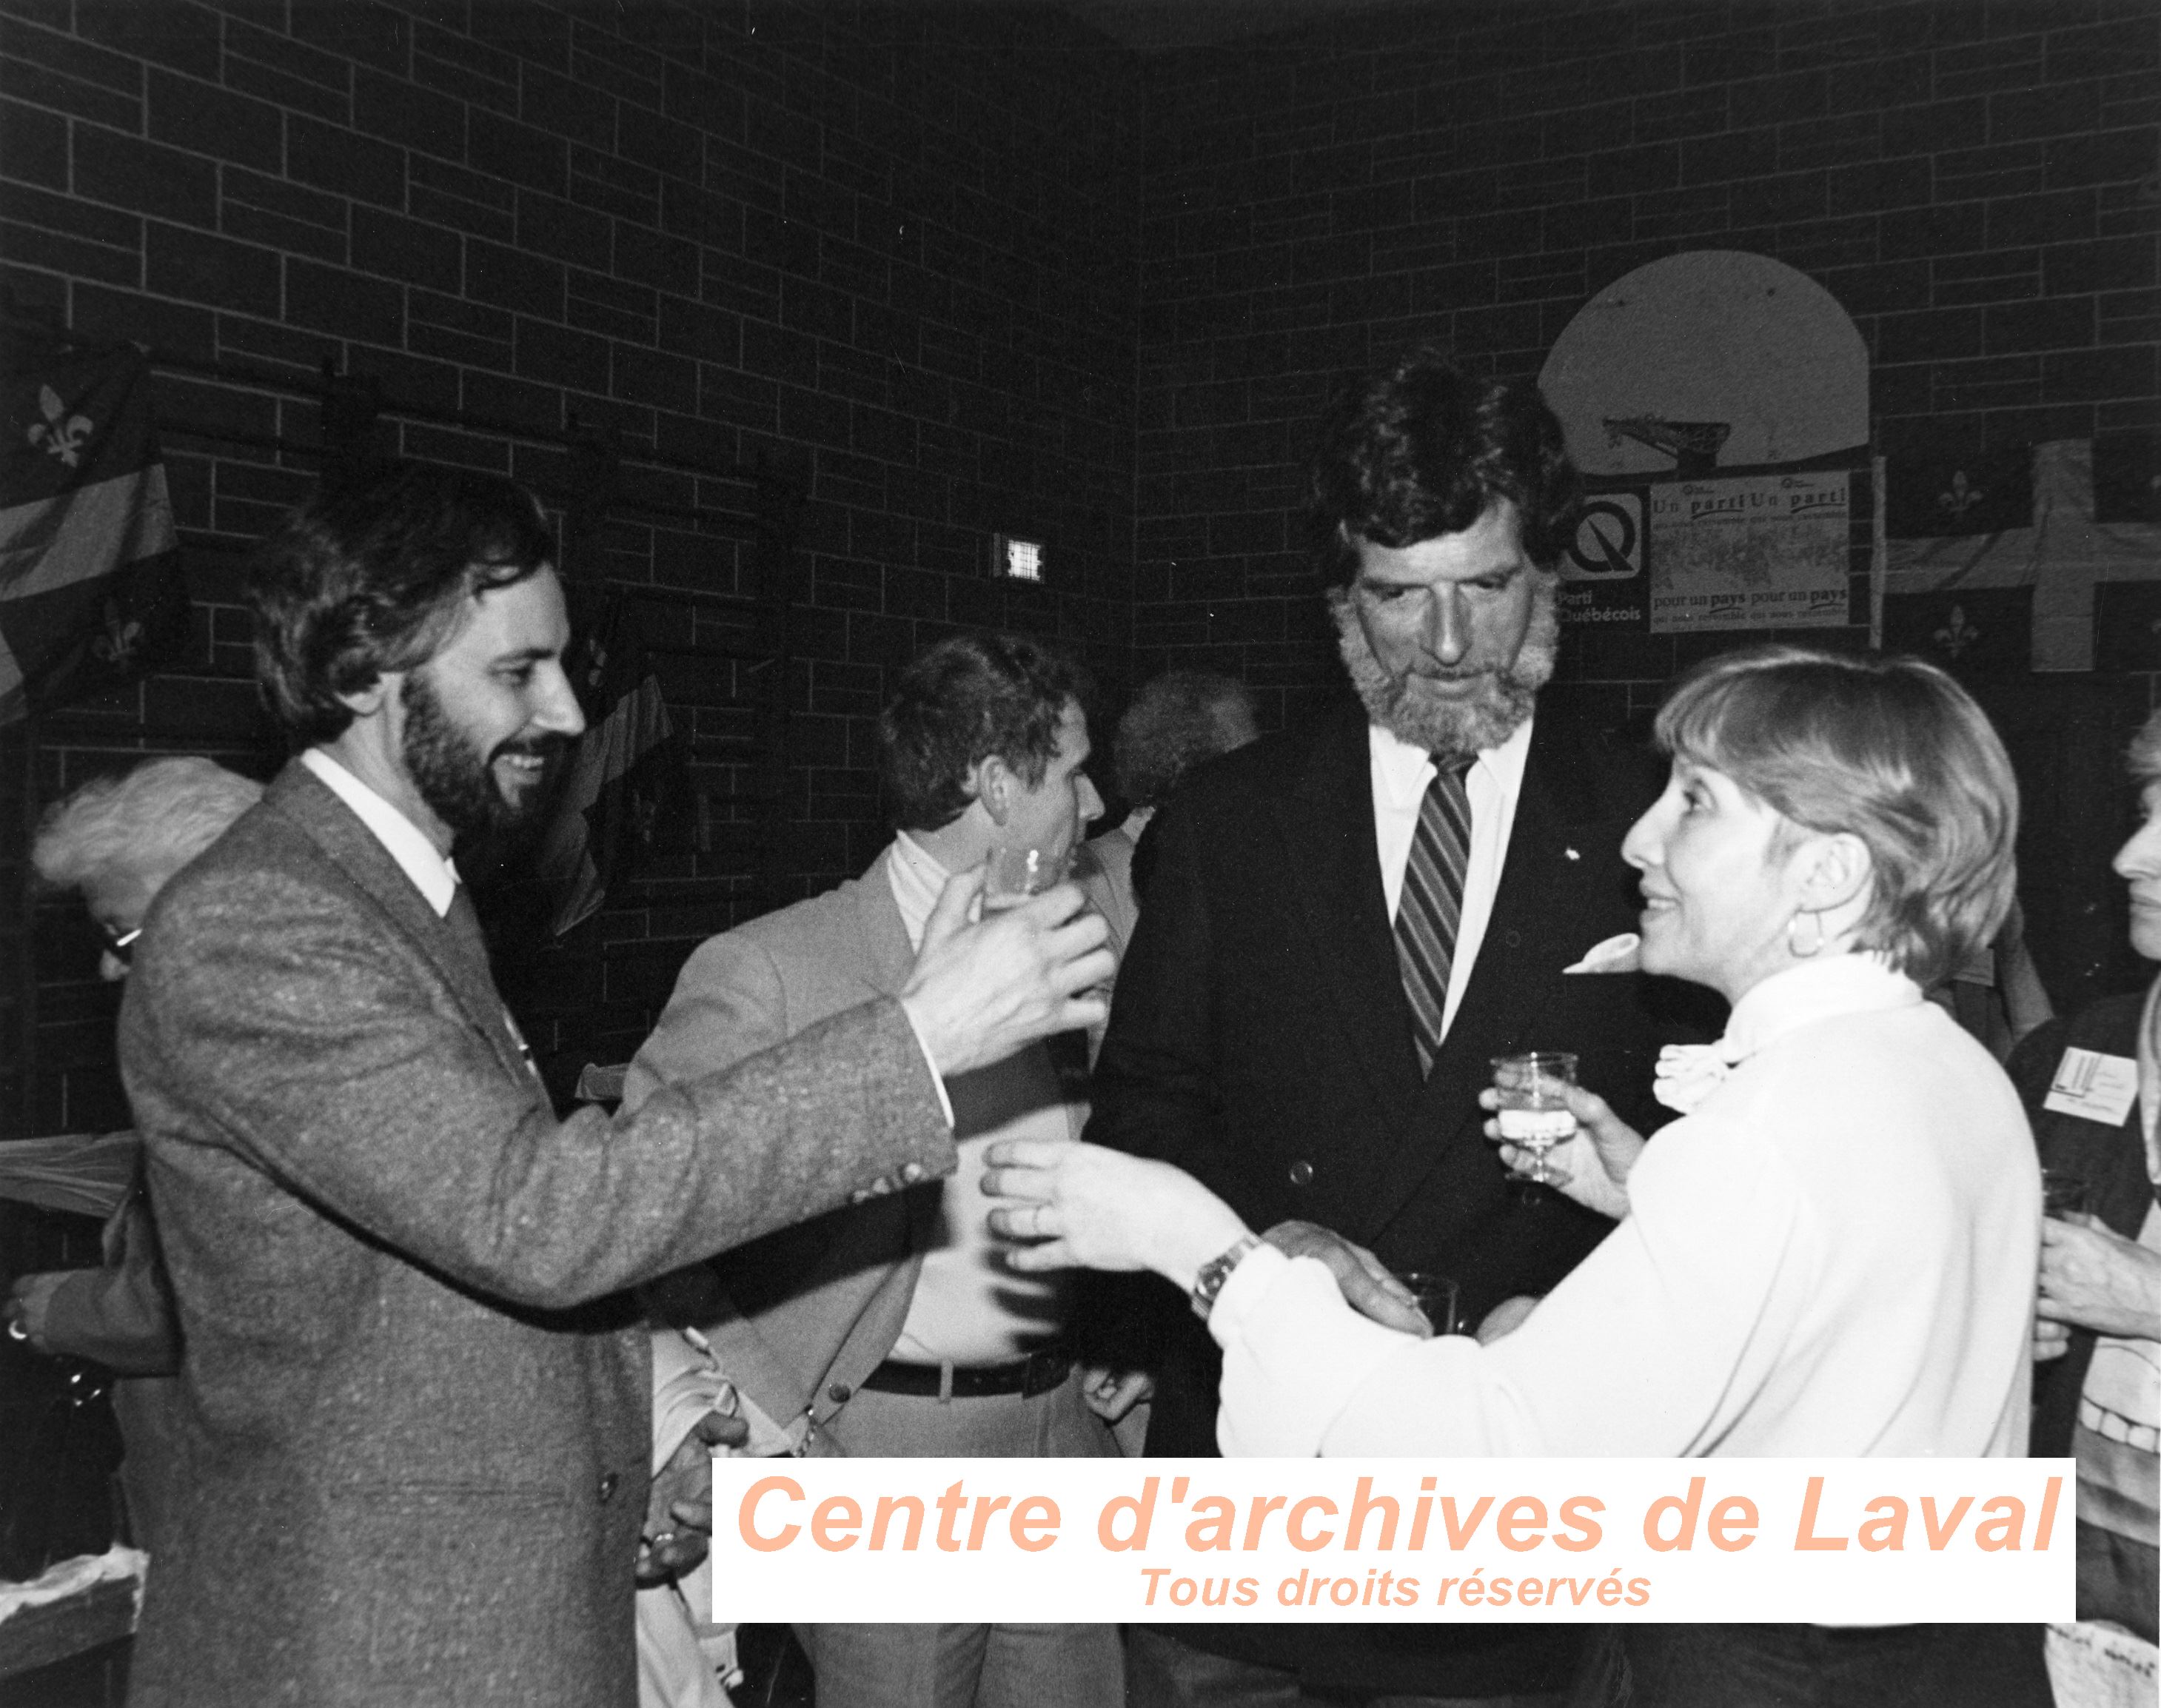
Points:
(414, 1404)
(1288, 1032)
(890, 1328)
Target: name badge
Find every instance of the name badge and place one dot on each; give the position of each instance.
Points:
(2094, 1087)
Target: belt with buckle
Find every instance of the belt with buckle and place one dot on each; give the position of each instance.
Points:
(1037, 1373)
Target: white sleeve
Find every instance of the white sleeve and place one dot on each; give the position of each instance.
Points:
(1634, 1352)
(1293, 1351)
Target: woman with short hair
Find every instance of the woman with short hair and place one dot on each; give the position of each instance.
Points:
(1826, 1255)
(2098, 1395)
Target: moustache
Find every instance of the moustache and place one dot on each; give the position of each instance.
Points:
(548, 748)
(1425, 673)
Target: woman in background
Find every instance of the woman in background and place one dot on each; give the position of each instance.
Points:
(1825, 1256)
(2097, 1395)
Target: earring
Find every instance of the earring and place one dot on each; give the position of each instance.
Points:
(1792, 938)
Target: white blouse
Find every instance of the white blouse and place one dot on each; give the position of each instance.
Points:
(1834, 1253)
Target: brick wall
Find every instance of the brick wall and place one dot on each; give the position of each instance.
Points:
(937, 263)
(889, 252)
(1974, 183)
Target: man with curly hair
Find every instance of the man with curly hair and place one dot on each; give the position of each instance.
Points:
(1344, 924)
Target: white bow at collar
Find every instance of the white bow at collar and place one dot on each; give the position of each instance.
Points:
(1689, 1073)
(1800, 995)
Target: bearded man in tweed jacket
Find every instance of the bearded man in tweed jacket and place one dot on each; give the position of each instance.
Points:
(414, 1407)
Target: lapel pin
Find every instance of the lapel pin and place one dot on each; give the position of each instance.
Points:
(1571, 854)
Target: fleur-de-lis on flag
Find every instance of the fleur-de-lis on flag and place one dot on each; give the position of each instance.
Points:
(62, 439)
(1961, 497)
(1958, 634)
(123, 636)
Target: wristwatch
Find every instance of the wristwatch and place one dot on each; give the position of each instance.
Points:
(1215, 1272)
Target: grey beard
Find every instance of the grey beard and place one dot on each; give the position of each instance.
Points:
(1409, 709)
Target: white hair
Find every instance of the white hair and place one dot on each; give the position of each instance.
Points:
(159, 815)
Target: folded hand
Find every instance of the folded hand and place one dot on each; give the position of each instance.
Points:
(678, 1511)
(1111, 1393)
(1364, 1280)
(2092, 1277)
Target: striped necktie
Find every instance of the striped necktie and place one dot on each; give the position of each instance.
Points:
(1431, 907)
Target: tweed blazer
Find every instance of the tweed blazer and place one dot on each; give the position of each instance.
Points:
(415, 1406)
(819, 1304)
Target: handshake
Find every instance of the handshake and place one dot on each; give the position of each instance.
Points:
(982, 990)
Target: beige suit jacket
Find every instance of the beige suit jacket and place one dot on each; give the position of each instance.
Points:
(819, 1306)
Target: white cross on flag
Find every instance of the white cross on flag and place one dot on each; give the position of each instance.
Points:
(90, 576)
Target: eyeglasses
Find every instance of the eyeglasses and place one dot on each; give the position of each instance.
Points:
(122, 944)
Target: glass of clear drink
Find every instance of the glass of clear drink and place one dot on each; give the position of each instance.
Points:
(1532, 1107)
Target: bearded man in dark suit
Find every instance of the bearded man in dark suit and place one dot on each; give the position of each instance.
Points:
(1346, 924)
(415, 1415)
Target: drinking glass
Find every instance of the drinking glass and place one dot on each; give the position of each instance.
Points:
(1436, 1297)
(2063, 1193)
(1532, 1107)
(1018, 871)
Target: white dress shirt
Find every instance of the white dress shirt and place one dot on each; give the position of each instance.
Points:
(1834, 1254)
(1494, 783)
(432, 873)
(969, 1309)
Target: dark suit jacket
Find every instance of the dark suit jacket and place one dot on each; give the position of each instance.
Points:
(417, 1448)
(1261, 1039)
(2112, 1158)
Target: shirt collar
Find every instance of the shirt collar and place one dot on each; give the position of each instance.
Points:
(433, 875)
(1815, 990)
(1403, 771)
(918, 880)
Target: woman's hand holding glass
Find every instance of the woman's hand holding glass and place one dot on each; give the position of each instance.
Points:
(1079, 1206)
(1593, 1166)
(2094, 1279)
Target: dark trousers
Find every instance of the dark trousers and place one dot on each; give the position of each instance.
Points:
(1164, 1673)
(1814, 1666)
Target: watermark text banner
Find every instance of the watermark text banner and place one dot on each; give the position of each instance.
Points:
(1830, 1541)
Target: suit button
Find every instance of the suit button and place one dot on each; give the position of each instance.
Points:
(1301, 1172)
(608, 1487)
(839, 1393)
(1514, 939)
